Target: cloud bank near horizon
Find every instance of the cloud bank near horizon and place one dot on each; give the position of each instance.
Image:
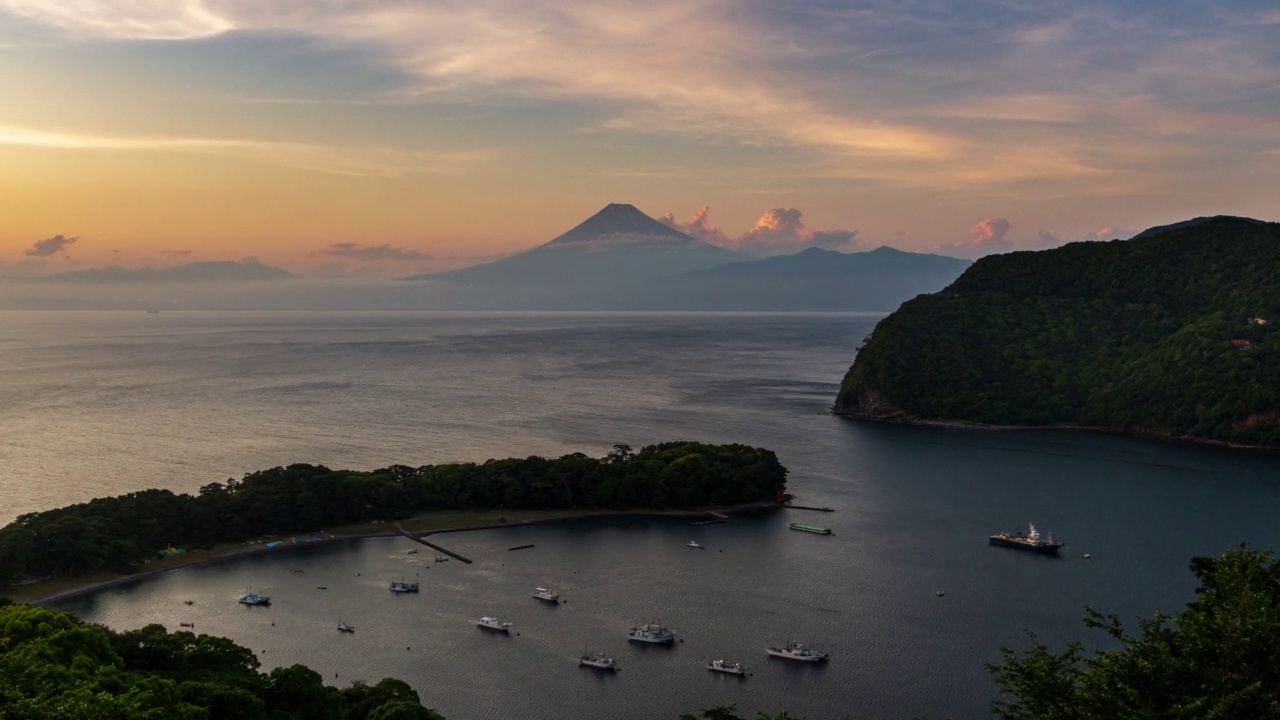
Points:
(779, 231)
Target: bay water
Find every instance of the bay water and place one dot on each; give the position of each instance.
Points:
(103, 403)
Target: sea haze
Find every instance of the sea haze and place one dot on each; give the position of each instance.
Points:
(101, 403)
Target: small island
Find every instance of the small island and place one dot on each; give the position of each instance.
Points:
(89, 545)
(1170, 335)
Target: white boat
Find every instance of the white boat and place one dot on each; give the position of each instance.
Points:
(796, 651)
(400, 586)
(600, 661)
(343, 627)
(694, 544)
(652, 633)
(492, 623)
(724, 666)
(547, 594)
(253, 598)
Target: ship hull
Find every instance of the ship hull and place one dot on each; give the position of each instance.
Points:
(798, 658)
(810, 529)
(1045, 549)
(652, 641)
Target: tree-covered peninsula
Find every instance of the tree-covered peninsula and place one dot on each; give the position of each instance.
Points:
(118, 533)
(1170, 334)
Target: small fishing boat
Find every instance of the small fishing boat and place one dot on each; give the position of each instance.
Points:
(253, 598)
(694, 544)
(492, 623)
(726, 667)
(795, 651)
(599, 661)
(400, 586)
(548, 595)
(343, 627)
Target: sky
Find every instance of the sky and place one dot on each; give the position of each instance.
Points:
(384, 137)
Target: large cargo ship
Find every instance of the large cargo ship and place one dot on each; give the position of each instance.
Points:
(1030, 541)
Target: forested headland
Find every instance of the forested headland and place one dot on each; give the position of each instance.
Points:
(1170, 334)
(118, 533)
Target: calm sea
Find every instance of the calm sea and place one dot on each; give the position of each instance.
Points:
(102, 403)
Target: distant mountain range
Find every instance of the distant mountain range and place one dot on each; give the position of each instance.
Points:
(216, 271)
(618, 259)
(622, 259)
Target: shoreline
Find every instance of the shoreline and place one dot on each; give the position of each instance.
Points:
(1184, 440)
(336, 536)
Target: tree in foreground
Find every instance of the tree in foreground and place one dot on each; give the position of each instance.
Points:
(1218, 660)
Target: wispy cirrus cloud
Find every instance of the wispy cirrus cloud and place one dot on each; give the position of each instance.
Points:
(901, 93)
(342, 160)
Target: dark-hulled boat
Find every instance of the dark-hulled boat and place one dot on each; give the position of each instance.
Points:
(1030, 541)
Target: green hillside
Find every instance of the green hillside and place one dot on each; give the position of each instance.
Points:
(1154, 335)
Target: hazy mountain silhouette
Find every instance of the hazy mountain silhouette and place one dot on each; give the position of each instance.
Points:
(618, 247)
(814, 279)
(216, 271)
(622, 259)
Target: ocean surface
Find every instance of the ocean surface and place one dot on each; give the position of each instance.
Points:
(102, 403)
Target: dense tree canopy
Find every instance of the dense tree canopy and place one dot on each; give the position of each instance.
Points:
(1158, 334)
(116, 533)
(1218, 660)
(54, 666)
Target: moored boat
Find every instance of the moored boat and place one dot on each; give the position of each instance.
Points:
(795, 651)
(726, 667)
(547, 594)
(652, 633)
(801, 527)
(599, 661)
(253, 598)
(1030, 541)
(492, 623)
(400, 586)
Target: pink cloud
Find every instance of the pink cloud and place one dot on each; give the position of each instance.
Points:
(985, 238)
(1050, 238)
(779, 231)
(697, 227)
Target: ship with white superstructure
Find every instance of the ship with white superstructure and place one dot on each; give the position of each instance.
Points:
(494, 624)
(1030, 541)
(795, 651)
(547, 594)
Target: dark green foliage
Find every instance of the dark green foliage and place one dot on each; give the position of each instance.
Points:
(53, 665)
(730, 712)
(1219, 659)
(1131, 336)
(117, 533)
